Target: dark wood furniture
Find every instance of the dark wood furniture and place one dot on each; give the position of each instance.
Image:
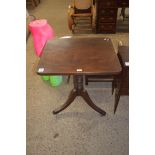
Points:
(80, 16)
(32, 3)
(121, 84)
(107, 14)
(78, 57)
(98, 78)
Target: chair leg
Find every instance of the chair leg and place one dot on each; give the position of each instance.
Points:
(91, 18)
(68, 78)
(113, 86)
(86, 80)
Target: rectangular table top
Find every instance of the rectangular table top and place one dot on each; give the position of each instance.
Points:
(71, 56)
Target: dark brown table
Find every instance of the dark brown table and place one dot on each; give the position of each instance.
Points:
(78, 57)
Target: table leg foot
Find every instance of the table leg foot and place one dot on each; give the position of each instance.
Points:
(67, 103)
(91, 104)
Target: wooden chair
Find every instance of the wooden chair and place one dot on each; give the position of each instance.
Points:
(32, 3)
(37, 2)
(98, 78)
(101, 78)
(121, 83)
(81, 15)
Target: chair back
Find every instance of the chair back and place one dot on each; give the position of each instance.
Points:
(82, 4)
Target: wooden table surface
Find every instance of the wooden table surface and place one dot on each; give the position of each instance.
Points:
(72, 56)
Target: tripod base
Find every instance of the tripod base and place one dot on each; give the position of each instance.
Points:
(79, 91)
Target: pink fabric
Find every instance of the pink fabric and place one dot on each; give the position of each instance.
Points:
(41, 32)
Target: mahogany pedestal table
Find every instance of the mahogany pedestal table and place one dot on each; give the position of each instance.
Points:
(78, 57)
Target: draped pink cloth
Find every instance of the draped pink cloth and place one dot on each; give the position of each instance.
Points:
(41, 32)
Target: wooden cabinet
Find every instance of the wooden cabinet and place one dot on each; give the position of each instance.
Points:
(106, 16)
(123, 3)
(108, 12)
(106, 28)
(107, 3)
